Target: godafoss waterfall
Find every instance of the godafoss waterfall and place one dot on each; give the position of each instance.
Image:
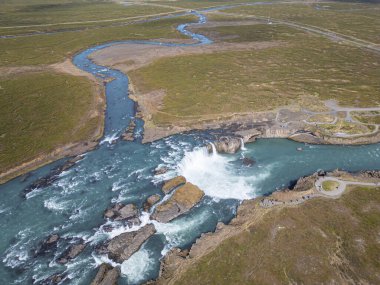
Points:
(69, 207)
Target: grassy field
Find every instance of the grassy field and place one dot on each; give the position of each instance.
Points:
(38, 12)
(320, 242)
(47, 49)
(40, 111)
(258, 80)
(360, 20)
(330, 185)
(367, 118)
(34, 117)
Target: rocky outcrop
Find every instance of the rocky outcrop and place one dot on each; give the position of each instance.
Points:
(182, 201)
(226, 145)
(48, 245)
(247, 161)
(107, 275)
(171, 184)
(53, 279)
(248, 135)
(370, 174)
(121, 247)
(52, 176)
(153, 199)
(305, 183)
(72, 252)
(128, 134)
(121, 212)
(161, 170)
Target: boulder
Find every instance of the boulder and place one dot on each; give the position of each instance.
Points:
(161, 170)
(153, 199)
(120, 212)
(182, 201)
(121, 247)
(128, 134)
(171, 184)
(48, 245)
(107, 275)
(52, 176)
(72, 252)
(248, 161)
(53, 279)
(226, 145)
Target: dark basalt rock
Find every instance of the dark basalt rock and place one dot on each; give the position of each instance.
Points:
(52, 176)
(121, 247)
(48, 245)
(371, 173)
(53, 279)
(72, 252)
(248, 161)
(128, 134)
(121, 212)
(161, 170)
(107, 275)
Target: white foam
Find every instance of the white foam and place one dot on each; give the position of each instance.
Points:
(110, 138)
(213, 174)
(242, 144)
(55, 205)
(136, 267)
(118, 228)
(178, 232)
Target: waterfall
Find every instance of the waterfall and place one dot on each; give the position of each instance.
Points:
(214, 174)
(242, 144)
(214, 151)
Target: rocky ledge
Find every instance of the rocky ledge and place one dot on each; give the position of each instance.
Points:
(183, 199)
(48, 245)
(121, 247)
(172, 184)
(129, 132)
(121, 212)
(107, 275)
(72, 252)
(226, 145)
(150, 201)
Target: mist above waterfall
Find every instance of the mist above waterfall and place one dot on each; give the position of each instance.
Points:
(216, 176)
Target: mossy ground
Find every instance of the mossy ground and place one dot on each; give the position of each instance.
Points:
(46, 110)
(265, 79)
(330, 185)
(319, 242)
(41, 111)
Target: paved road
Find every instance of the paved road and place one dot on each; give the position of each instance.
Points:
(342, 185)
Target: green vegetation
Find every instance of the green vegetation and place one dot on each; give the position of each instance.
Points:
(321, 119)
(347, 128)
(38, 12)
(47, 49)
(320, 242)
(263, 79)
(40, 111)
(330, 185)
(247, 33)
(360, 20)
(368, 118)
